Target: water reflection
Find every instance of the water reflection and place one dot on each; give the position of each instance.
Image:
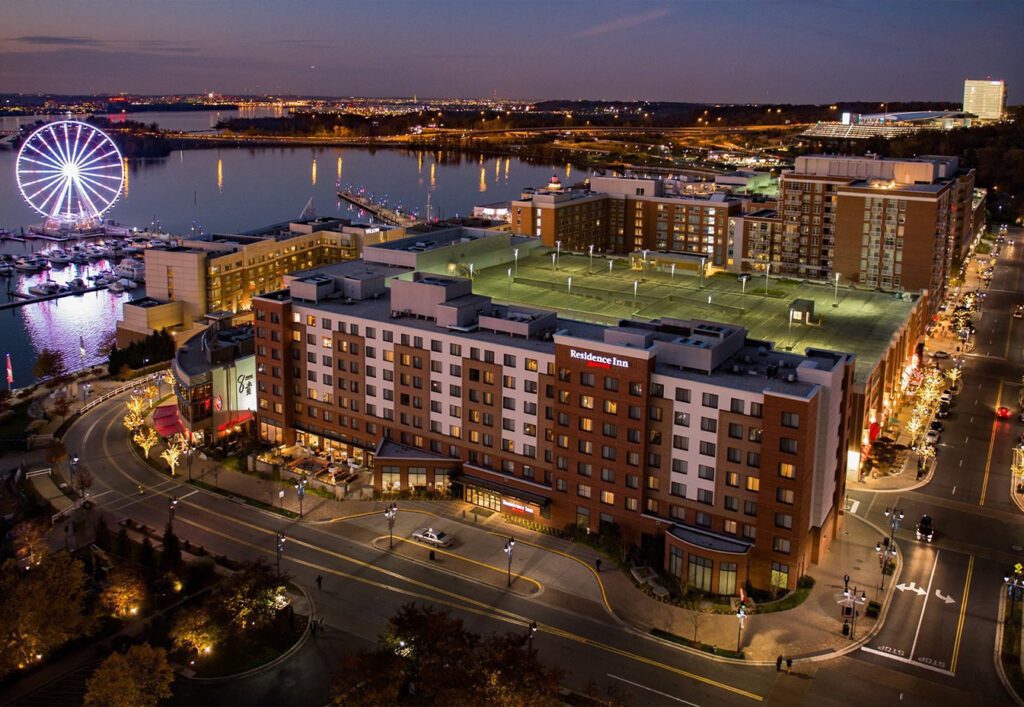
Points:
(220, 176)
(483, 179)
(314, 171)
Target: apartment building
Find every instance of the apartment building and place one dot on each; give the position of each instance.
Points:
(892, 224)
(222, 273)
(628, 215)
(689, 437)
(985, 98)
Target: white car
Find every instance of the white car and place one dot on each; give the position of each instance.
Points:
(932, 437)
(437, 538)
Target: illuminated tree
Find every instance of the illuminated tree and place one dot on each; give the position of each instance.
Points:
(139, 678)
(196, 631)
(151, 392)
(251, 597)
(168, 378)
(30, 542)
(147, 438)
(954, 374)
(132, 421)
(914, 427)
(171, 455)
(137, 405)
(124, 593)
(41, 609)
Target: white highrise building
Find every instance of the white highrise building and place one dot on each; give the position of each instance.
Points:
(985, 98)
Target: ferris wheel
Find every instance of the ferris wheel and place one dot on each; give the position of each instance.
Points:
(70, 172)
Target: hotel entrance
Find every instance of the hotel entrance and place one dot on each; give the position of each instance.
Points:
(483, 498)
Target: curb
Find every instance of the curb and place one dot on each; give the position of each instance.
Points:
(914, 487)
(997, 653)
(276, 661)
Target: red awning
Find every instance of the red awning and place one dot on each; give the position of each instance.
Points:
(244, 416)
(168, 426)
(165, 411)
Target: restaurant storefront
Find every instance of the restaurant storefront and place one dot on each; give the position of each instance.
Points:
(503, 498)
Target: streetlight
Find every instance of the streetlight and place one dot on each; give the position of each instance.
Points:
(741, 615)
(703, 260)
(645, 266)
(673, 271)
(389, 514)
(886, 554)
(1014, 583)
(636, 284)
(790, 323)
(558, 253)
(610, 262)
(554, 263)
(471, 271)
(510, 283)
(509, 545)
(895, 516)
(569, 286)
(301, 491)
(280, 549)
(515, 256)
(171, 503)
(835, 300)
(853, 601)
(767, 275)
(529, 637)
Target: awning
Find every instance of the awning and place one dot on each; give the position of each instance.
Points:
(165, 411)
(505, 490)
(244, 416)
(168, 426)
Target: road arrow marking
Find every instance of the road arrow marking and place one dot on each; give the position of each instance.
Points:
(911, 587)
(941, 597)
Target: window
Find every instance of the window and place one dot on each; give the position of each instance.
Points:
(608, 497)
(734, 455)
(732, 503)
(699, 570)
(756, 409)
(706, 496)
(677, 489)
(632, 481)
(635, 389)
(561, 485)
(610, 430)
(750, 508)
(611, 407)
(582, 490)
(709, 424)
(791, 419)
(675, 561)
(735, 430)
(531, 364)
(632, 504)
(608, 452)
(583, 516)
(736, 405)
(784, 496)
(706, 472)
(682, 419)
(680, 442)
(732, 479)
(587, 379)
(784, 520)
(787, 471)
(709, 400)
(676, 512)
(754, 459)
(683, 395)
(587, 402)
(730, 526)
(707, 448)
(727, 577)
(586, 424)
(780, 545)
(608, 475)
(754, 434)
(780, 575)
(611, 384)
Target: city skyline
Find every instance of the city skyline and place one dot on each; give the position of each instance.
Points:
(702, 52)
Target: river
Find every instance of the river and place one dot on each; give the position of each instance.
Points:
(233, 190)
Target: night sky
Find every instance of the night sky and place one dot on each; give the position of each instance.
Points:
(728, 51)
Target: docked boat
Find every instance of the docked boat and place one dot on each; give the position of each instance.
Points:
(6, 270)
(131, 270)
(58, 256)
(30, 264)
(116, 287)
(45, 288)
(77, 285)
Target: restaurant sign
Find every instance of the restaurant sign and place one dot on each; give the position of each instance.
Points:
(514, 506)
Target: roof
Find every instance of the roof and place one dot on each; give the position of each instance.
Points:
(393, 450)
(708, 540)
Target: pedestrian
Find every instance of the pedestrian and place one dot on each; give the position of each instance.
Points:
(789, 665)
(597, 563)
(778, 664)
(319, 582)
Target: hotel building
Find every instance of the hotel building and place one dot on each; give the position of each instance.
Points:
(985, 98)
(690, 437)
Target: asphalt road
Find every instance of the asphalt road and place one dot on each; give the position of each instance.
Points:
(942, 623)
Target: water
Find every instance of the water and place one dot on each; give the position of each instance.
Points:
(185, 121)
(233, 190)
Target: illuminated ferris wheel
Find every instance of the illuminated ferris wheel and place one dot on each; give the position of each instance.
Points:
(70, 173)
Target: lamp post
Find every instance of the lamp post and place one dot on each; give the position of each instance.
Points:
(767, 275)
(895, 517)
(389, 514)
(610, 262)
(509, 546)
(790, 323)
(741, 616)
(853, 601)
(703, 260)
(886, 553)
(171, 503)
(1014, 584)
(510, 283)
(644, 278)
(280, 550)
(529, 637)
(301, 491)
(515, 257)
(590, 267)
(569, 286)
(558, 254)
(673, 271)
(554, 262)
(835, 298)
(636, 283)
(471, 271)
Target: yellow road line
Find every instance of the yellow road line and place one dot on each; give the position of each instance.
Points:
(991, 446)
(600, 584)
(474, 562)
(457, 601)
(963, 614)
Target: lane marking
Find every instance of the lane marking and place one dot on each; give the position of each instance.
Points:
(467, 603)
(651, 689)
(924, 607)
(1006, 351)
(908, 661)
(991, 447)
(963, 615)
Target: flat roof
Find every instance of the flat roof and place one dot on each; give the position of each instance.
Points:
(862, 324)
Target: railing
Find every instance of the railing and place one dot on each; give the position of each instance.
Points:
(117, 391)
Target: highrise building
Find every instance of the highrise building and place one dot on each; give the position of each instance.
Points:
(985, 98)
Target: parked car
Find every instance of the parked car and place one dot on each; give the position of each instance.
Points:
(943, 411)
(940, 354)
(946, 398)
(437, 538)
(932, 437)
(936, 425)
(926, 529)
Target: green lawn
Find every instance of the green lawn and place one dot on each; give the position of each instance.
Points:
(862, 322)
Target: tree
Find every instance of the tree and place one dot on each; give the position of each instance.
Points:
(196, 631)
(61, 407)
(102, 537)
(139, 678)
(30, 542)
(170, 557)
(132, 421)
(123, 546)
(151, 392)
(56, 453)
(41, 609)
(693, 605)
(136, 405)
(49, 364)
(146, 438)
(125, 591)
(83, 479)
(171, 455)
(147, 555)
(252, 596)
